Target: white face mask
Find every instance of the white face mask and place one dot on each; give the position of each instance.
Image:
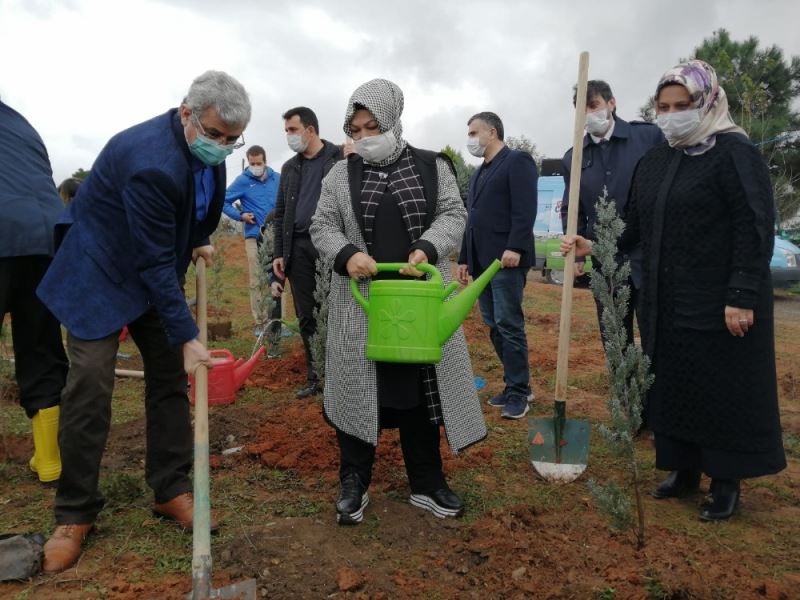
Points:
(258, 170)
(376, 148)
(474, 147)
(296, 142)
(678, 126)
(597, 122)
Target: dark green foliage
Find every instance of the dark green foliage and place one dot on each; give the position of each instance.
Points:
(80, 174)
(463, 170)
(267, 302)
(320, 337)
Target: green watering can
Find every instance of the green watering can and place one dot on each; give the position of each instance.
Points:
(409, 320)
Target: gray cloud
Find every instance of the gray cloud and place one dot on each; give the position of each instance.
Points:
(452, 59)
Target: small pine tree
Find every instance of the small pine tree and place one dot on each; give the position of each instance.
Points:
(267, 302)
(628, 370)
(319, 339)
(216, 285)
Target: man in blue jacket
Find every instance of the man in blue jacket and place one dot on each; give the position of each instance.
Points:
(153, 197)
(612, 148)
(29, 209)
(256, 189)
(501, 205)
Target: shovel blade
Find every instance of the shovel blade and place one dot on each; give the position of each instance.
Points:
(566, 463)
(241, 590)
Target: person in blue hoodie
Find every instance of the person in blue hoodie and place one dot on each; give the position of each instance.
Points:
(255, 189)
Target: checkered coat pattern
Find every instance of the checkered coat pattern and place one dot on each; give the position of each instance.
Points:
(351, 391)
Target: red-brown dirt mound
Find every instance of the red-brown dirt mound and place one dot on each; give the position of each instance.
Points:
(296, 437)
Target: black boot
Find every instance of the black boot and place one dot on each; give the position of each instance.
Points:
(442, 502)
(352, 500)
(724, 500)
(678, 484)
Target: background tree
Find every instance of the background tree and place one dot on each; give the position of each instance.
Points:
(524, 144)
(80, 174)
(463, 170)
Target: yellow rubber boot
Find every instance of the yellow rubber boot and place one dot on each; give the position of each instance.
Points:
(46, 459)
(34, 427)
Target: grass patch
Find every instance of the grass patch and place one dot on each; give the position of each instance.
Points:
(791, 443)
(122, 490)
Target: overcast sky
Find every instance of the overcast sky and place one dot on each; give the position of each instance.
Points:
(82, 70)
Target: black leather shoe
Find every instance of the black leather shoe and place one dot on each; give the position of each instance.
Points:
(678, 484)
(312, 389)
(352, 500)
(724, 500)
(442, 502)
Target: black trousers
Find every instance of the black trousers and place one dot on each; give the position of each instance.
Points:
(302, 275)
(86, 419)
(419, 440)
(40, 361)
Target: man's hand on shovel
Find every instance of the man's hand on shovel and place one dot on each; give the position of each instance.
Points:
(583, 247)
(194, 355)
(207, 252)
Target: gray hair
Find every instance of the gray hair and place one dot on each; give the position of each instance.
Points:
(220, 91)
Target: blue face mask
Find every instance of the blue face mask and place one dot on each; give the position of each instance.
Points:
(208, 152)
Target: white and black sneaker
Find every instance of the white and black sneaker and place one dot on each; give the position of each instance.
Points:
(353, 499)
(442, 503)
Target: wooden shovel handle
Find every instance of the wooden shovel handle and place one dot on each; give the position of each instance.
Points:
(201, 532)
(572, 226)
(202, 300)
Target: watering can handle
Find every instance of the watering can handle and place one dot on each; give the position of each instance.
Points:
(424, 267)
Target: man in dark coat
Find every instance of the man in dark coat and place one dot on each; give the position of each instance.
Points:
(29, 209)
(153, 197)
(501, 205)
(298, 194)
(612, 148)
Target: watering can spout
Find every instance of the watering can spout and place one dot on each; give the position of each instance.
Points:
(243, 370)
(455, 310)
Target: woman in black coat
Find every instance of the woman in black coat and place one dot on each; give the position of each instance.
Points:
(703, 210)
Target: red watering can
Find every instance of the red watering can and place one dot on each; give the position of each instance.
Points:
(227, 375)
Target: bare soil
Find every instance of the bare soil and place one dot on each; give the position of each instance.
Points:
(520, 538)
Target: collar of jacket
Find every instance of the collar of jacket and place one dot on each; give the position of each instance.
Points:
(180, 136)
(329, 149)
(621, 130)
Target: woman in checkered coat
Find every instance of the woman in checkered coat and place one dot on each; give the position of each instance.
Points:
(390, 203)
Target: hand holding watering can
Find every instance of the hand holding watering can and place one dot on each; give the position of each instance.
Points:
(409, 320)
(361, 266)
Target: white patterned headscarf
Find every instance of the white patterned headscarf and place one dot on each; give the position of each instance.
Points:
(700, 80)
(384, 99)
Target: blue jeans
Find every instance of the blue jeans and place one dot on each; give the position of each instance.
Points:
(501, 309)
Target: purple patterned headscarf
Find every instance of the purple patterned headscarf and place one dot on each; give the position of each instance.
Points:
(700, 80)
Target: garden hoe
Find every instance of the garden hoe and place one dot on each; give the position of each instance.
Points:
(201, 530)
(559, 447)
